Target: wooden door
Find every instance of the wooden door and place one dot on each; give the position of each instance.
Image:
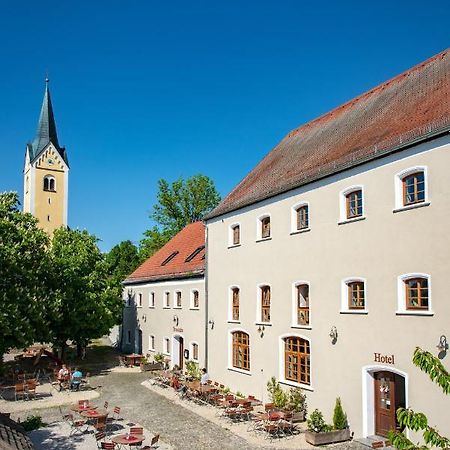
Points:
(384, 403)
(181, 354)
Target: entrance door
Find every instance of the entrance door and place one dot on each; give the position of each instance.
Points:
(385, 403)
(181, 351)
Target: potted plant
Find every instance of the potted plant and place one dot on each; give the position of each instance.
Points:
(193, 370)
(320, 433)
(296, 403)
(277, 396)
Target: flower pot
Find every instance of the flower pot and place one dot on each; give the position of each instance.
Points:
(327, 437)
(298, 416)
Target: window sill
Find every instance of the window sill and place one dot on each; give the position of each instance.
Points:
(413, 206)
(138, 306)
(353, 219)
(304, 230)
(306, 387)
(194, 308)
(244, 372)
(177, 307)
(264, 239)
(166, 307)
(414, 313)
(233, 321)
(264, 324)
(234, 245)
(302, 327)
(151, 307)
(362, 312)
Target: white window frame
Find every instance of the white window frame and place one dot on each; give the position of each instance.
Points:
(151, 348)
(294, 323)
(294, 209)
(175, 295)
(191, 350)
(344, 296)
(343, 204)
(401, 296)
(191, 299)
(258, 320)
(152, 299)
(259, 227)
(398, 188)
(164, 346)
(139, 302)
(231, 234)
(230, 303)
(281, 367)
(230, 352)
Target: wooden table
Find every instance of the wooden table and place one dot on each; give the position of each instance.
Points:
(134, 358)
(94, 413)
(81, 408)
(128, 439)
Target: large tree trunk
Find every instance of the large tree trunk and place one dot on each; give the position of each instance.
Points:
(63, 346)
(79, 350)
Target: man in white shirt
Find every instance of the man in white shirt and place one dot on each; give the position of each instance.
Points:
(205, 377)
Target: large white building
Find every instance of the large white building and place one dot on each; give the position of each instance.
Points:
(327, 265)
(165, 301)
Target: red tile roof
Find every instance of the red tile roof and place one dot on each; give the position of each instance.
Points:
(397, 113)
(186, 242)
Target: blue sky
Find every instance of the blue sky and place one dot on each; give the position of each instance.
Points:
(144, 90)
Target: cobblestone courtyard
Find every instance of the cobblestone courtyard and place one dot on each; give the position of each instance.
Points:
(178, 426)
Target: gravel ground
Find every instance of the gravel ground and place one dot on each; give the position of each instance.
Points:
(178, 427)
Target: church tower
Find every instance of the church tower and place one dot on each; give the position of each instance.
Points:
(46, 172)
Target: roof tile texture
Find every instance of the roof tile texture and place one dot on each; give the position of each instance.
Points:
(185, 243)
(401, 110)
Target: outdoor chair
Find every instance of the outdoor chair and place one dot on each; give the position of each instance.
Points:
(19, 391)
(153, 443)
(116, 413)
(272, 429)
(137, 430)
(99, 436)
(31, 388)
(269, 407)
(76, 425)
(286, 425)
(105, 405)
(108, 445)
(100, 423)
(86, 382)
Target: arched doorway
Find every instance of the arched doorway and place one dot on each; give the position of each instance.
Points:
(384, 391)
(177, 351)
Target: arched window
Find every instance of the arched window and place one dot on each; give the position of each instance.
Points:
(195, 299)
(302, 293)
(416, 293)
(265, 227)
(265, 303)
(49, 183)
(241, 350)
(302, 217)
(413, 188)
(194, 349)
(297, 365)
(235, 303)
(354, 204)
(356, 295)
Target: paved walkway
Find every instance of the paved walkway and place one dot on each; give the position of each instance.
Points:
(177, 426)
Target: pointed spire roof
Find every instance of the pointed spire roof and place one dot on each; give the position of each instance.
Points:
(46, 130)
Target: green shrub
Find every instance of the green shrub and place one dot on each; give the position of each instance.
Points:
(33, 423)
(340, 421)
(193, 369)
(296, 401)
(240, 394)
(159, 357)
(277, 396)
(316, 422)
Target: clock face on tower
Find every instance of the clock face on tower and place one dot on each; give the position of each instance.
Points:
(50, 161)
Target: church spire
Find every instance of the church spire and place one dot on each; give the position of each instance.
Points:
(46, 130)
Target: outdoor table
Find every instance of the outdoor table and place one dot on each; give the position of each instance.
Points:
(134, 358)
(81, 408)
(128, 439)
(94, 413)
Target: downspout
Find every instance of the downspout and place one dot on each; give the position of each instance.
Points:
(206, 296)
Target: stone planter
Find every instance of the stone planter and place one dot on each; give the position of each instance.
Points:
(327, 437)
(151, 366)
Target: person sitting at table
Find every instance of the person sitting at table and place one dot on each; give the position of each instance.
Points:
(63, 375)
(76, 380)
(205, 377)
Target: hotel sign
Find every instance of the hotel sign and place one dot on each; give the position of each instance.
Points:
(384, 359)
(177, 330)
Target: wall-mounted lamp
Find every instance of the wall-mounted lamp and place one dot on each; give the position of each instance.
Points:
(261, 329)
(175, 320)
(211, 322)
(443, 344)
(333, 334)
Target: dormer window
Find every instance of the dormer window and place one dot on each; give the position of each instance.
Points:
(169, 258)
(49, 183)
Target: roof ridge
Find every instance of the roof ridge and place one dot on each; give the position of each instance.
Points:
(365, 94)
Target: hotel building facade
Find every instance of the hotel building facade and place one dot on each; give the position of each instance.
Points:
(327, 265)
(165, 301)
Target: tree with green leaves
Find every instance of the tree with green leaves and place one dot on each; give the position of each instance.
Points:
(417, 421)
(121, 260)
(23, 276)
(87, 301)
(179, 204)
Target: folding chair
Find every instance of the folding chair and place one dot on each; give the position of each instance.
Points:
(19, 391)
(153, 443)
(76, 425)
(105, 405)
(116, 413)
(100, 423)
(108, 445)
(99, 436)
(137, 430)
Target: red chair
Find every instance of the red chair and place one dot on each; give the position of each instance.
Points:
(99, 436)
(137, 430)
(116, 413)
(105, 405)
(153, 443)
(108, 445)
